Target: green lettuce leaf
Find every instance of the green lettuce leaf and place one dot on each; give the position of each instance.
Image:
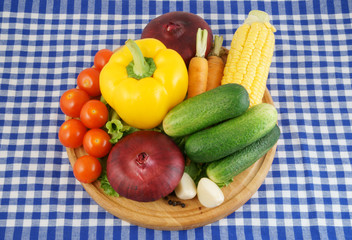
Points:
(105, 185)
(196, 171)
(116, 129)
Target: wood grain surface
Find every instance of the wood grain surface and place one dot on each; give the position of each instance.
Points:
(162, 216)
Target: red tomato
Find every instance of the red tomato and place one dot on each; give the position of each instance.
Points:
(88, 80)
(87, 169)
(72, 101)
(96, 143)
(94, 114)
(101, 58)
(71, 133)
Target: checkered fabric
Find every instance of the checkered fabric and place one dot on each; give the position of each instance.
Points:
(45, 44)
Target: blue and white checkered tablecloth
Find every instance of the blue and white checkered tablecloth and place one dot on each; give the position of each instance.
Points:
(45, 44)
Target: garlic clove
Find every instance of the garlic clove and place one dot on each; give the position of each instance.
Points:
(209, 194)
(186, 188)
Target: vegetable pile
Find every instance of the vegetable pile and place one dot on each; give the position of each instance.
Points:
(165, 114)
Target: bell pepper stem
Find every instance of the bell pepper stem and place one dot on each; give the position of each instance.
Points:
(140, 67)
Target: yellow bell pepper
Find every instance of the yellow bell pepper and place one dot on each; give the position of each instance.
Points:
(142, 81)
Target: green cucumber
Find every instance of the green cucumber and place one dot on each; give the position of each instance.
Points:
(224, 170)
(227, 137)
(214, 106)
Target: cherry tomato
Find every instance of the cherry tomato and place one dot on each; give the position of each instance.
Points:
(96, 143)
(71, 133)
(101, 58)
(87, 169)
(94, 114)
(72, 101)
(88, 80)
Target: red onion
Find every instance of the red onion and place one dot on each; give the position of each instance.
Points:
(145, 166)
(178, 31)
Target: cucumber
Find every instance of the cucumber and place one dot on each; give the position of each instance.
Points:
(214, 106)
(227, 137)
(224, 170)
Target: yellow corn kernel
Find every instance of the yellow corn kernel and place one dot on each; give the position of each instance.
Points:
(234, 55)
(250, 55)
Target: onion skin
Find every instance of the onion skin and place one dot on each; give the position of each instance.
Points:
(178, 31)
(145, 166)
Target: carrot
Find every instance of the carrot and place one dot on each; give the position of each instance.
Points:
(215, 65)
(197, 76)
(198, 66)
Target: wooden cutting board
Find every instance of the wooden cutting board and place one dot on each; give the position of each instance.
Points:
(162, 216)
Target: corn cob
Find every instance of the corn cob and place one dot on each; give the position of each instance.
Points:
(250, 55)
